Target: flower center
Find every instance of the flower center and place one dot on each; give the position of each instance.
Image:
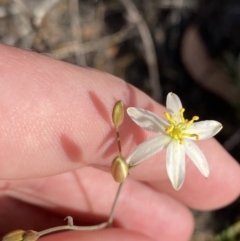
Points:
(179, 125)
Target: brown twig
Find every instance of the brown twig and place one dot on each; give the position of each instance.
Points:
(151, 57)
(171, 4)
(93, 45)
(75, 22)
(42, 9)
(33, 19)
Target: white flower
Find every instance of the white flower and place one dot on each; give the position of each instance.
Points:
(176, 134)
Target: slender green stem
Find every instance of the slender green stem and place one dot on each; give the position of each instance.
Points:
(110, 219)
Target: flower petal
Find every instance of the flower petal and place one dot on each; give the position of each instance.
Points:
(176, 163)
(205, 129)
(196, 155)
(147, 120)
(147, 149)
(173, 103)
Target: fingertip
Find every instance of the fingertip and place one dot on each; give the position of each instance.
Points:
(160, 216)
(218, 190)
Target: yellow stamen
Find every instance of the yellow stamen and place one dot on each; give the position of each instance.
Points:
(178, 126)
(169, 129)
(195, 118)
(181, 114)
(196, 136)
(169, 118)
(191, 135)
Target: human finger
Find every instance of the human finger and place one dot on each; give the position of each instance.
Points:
(222, 186)
(87, 195)
(106, 234)
(57, 117)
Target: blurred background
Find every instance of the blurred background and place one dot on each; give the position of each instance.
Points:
(190, 47)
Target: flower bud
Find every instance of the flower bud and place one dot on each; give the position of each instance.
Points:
(31, 236)
(16, 235)
(118, 114)
(119, 169)
(21, 235)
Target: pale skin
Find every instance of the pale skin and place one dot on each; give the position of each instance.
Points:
(55, 123)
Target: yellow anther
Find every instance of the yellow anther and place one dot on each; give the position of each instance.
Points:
(191, 135)
(169, 118)
(195, 135)
(195, 118)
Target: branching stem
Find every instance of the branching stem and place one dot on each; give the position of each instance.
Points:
(68, 227)
(71, 226)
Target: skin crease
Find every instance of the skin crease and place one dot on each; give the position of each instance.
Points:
(56, 118)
